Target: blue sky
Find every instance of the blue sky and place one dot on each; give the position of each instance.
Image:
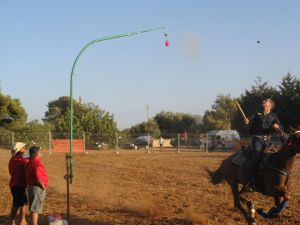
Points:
(213, 51)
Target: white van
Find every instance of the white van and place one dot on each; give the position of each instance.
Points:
(222, 139)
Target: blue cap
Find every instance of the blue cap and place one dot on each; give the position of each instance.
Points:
(34, 150)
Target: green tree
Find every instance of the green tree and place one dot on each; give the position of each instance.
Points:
(251, 100)
(12, 113)
(289, 101)
(150, 126)
(97, 124)
(34, 133)
(221, 116)
(172, 123)
(210, 121)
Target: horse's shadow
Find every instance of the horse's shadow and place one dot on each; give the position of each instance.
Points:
(5, 219)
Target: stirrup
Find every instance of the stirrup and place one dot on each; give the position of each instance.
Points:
(250, 186)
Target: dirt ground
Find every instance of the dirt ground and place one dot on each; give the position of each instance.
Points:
(136, 187)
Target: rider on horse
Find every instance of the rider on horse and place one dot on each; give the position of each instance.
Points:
(262, 126)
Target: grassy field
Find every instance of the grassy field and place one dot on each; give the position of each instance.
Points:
(136, 187)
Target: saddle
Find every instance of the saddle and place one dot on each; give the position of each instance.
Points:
(240, 157)
(244, 155)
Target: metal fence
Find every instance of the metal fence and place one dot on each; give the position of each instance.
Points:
(180, 141)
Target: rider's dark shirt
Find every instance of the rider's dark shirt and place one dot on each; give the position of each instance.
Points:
(263, 124)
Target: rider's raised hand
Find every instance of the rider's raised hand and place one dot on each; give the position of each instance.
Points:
(276, 126)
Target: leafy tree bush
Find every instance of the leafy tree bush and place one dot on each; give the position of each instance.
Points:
(289, 101)
(221, 115)
(98, 125)
(172, 123)
(12, 113)
(150, 127)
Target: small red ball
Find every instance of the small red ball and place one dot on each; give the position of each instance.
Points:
(167, 43)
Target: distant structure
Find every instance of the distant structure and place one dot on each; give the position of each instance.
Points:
(147, 111)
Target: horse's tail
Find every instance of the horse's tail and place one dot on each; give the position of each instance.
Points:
(216, 176)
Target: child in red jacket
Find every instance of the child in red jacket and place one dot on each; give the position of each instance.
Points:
(37, 181)
(17, 183)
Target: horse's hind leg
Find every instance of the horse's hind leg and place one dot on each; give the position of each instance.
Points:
(236, 195)
(237, 201)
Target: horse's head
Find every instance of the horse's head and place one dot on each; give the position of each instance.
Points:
(294, 141)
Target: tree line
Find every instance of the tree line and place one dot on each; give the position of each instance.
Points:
(225, 114)
(97, 124)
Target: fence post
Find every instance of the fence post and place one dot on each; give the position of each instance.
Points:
(50, 139)
(206, 142)
(117, 143)
(12, 138)
(178, 142)
(148, 142)
(83, 136)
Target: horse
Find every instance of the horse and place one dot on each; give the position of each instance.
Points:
(271, 180)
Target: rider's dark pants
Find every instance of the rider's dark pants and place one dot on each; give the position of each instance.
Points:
(258, 144)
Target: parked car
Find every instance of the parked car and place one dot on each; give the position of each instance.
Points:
(223, 139)
(143, 142)
(129, 146)
(96, 145)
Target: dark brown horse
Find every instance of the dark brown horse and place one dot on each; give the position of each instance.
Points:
(272, 180)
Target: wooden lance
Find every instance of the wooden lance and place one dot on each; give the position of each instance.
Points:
(241, 110)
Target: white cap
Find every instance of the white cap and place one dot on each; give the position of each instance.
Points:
(18, 146)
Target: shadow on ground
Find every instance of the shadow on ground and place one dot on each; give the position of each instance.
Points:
(4, 220)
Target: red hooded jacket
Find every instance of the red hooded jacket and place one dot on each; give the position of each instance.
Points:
(36, 172)
(16, 169)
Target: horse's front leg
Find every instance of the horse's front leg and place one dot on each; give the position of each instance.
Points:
(280, 204)
(277, 200)
(280, 201)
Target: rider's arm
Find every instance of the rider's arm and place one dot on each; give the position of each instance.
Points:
(276, 124)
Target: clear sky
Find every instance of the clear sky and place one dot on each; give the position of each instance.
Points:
(213, 50)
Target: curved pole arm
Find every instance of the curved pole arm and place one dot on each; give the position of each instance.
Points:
(72, 74)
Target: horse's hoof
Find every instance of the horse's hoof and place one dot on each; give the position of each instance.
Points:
(250, 220)
(262, 213)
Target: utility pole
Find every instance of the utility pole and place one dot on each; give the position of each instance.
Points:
(147, 110)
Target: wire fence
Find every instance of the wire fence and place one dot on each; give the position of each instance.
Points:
(181, 141)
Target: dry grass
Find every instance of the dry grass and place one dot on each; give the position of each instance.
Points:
(134, 187)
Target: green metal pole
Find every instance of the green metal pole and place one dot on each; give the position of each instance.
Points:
(72, 74)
